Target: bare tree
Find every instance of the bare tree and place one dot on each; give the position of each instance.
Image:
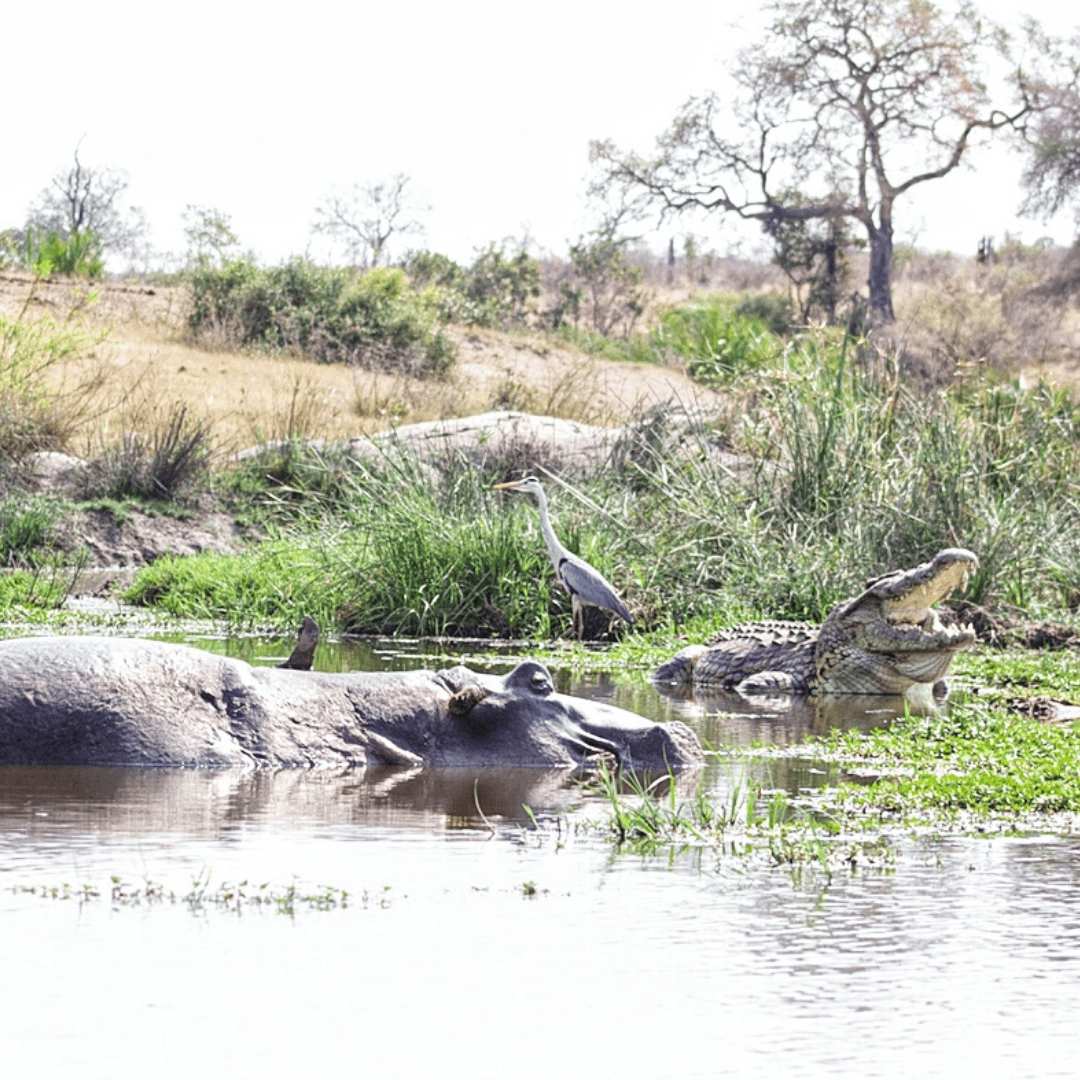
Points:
(1052, 177)
(364, 218)
(850, 103)
(85, 198)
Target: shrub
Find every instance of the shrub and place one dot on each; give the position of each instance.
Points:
(38, 412)
(501, 287)
(496, 290)
(372, 319)
(717, 342)
(51, 251)
(604, 282)
(773, 309)
(430, 268)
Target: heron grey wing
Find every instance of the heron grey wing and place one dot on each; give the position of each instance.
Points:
(587, 582)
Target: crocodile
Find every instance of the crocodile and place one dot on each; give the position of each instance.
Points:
(887, 640)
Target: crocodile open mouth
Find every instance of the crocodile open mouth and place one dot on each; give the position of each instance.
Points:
(949, 571)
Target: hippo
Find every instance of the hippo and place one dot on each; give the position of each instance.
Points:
(114, 701)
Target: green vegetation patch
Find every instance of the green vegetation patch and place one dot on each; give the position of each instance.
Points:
(974, 771)
(58, 251)
(238, 898)
(819, 472)
(974, 759)
(29, 593)
(996, 676)
(276, 583)
(34, 413)
(410, 569)
(718, 337)
(373, 318)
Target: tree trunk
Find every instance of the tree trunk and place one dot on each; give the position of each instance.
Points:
(881, 250)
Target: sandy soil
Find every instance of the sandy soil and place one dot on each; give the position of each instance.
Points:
(145, 364)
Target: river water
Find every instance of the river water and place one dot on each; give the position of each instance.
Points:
(473, 944)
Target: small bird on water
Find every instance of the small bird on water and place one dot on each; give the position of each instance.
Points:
(584, 583)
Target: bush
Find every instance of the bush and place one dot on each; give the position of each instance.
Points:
(501, 287)
(603, 281)
(53, 252)
(496, 290)
(715, 339)
(773, 309)
(372, 319)
(430, 268)
(39, 412)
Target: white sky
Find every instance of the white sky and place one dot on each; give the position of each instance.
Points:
(260, 111)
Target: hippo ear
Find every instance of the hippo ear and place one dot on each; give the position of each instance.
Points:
(456, 678)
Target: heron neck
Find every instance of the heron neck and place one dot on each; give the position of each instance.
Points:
(555, 549)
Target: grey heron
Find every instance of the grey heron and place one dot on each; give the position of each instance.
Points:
(584, 583)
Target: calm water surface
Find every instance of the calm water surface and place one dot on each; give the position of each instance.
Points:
(961, 958)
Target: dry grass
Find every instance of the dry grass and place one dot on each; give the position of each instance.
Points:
(1009, 314)
(148, 368)
(949, 311)
(530, 372)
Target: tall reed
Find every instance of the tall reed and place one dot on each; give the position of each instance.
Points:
(822, 474)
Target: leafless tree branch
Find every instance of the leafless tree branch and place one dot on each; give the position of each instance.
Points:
(364, 218)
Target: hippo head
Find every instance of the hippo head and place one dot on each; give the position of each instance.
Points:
(520, 717)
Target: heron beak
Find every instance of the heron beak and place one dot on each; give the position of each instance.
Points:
(510, 485)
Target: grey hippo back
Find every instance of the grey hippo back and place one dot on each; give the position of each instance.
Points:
(115, 701)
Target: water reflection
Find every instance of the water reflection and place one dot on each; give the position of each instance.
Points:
(42, 804)
(39, 802)
(731, 719)
(959, 957)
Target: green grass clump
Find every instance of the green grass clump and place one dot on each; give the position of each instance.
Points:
(29, 527)
(32, 592)
(37, 572)
(398, 559)
(275, 583)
